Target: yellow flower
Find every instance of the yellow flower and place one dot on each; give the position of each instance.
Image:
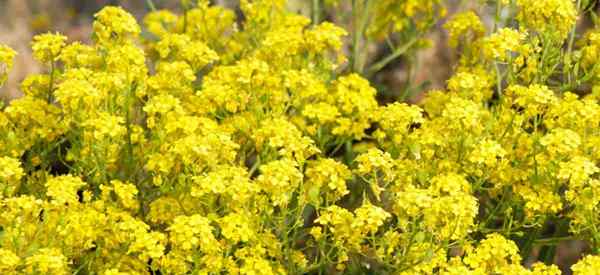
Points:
(193, 233)
(487, 152)
(337, 220)
(10, 170)
(474, 84)
(209, 24)
(391, 16)
(561, 141)
(283, 136)
(63, 189)
(552, 16)
(368, 219)
(230, 183)
(126, 193)
(36, 85)
(321, 112)
(237, 227)
(589, 265)
(75, 94)
(114, 271)
(47, 47)
(464, 27)
(375, 161)
(113, 24)
(8, 261)
(80, 229)
(535, 99)
(148, 245)
(279, 179)
(47, 260)
(181, 47)
(106, 126)
(539, 199)
(327, 175)
(396, 119)
(77, 55)
(324, 36)
(6, 62)
(492, 254)
(160, 22)
(355, 99)
(503, 43)
(452, 212)
(577, 171)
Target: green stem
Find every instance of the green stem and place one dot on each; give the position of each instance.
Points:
(498, 81)
(185, 19)
(554, 240)
(349, 153)
(316, 12)
(336, 149)
(548, 253)
(529, 243)
(570, 46)
(151, 5)
(128, 121)
(497, 15)
(398, 52)
(254, 166)
(51, 85)
(355, 36)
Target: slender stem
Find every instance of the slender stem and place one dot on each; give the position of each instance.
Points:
(355, 36)
(128, 125)
(255, 166)
(529, 243)
(316, 12)
(498, 81)
(185, 19)
(548, 253)
(51, 86)
(497, 15)
(364, 21)
(554, 240)
(151, 5)
(336, 149)
(572, 41)
(349, 153)
(496, 25)
(398, 52)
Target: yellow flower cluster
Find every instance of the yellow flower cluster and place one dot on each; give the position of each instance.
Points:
(6, 62)
(220, 145)
(495, 255)
(392, 15)
(587, 266)
(555, 17)
(503, 43)
(114, 24)
(464, 27)
(47, 47)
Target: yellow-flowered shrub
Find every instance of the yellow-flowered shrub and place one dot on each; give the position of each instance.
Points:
(203, 143)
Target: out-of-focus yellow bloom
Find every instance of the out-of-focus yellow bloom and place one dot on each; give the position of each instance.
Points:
(113, 24)
(63, 189)
(548, 16)
(6, 62)
(464, 27)
(47, 47)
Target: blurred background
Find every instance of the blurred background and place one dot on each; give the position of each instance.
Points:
(20, 20)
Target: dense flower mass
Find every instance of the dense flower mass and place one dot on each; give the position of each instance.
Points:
(210, 144)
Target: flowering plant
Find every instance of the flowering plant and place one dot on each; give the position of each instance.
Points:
(210, 144)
